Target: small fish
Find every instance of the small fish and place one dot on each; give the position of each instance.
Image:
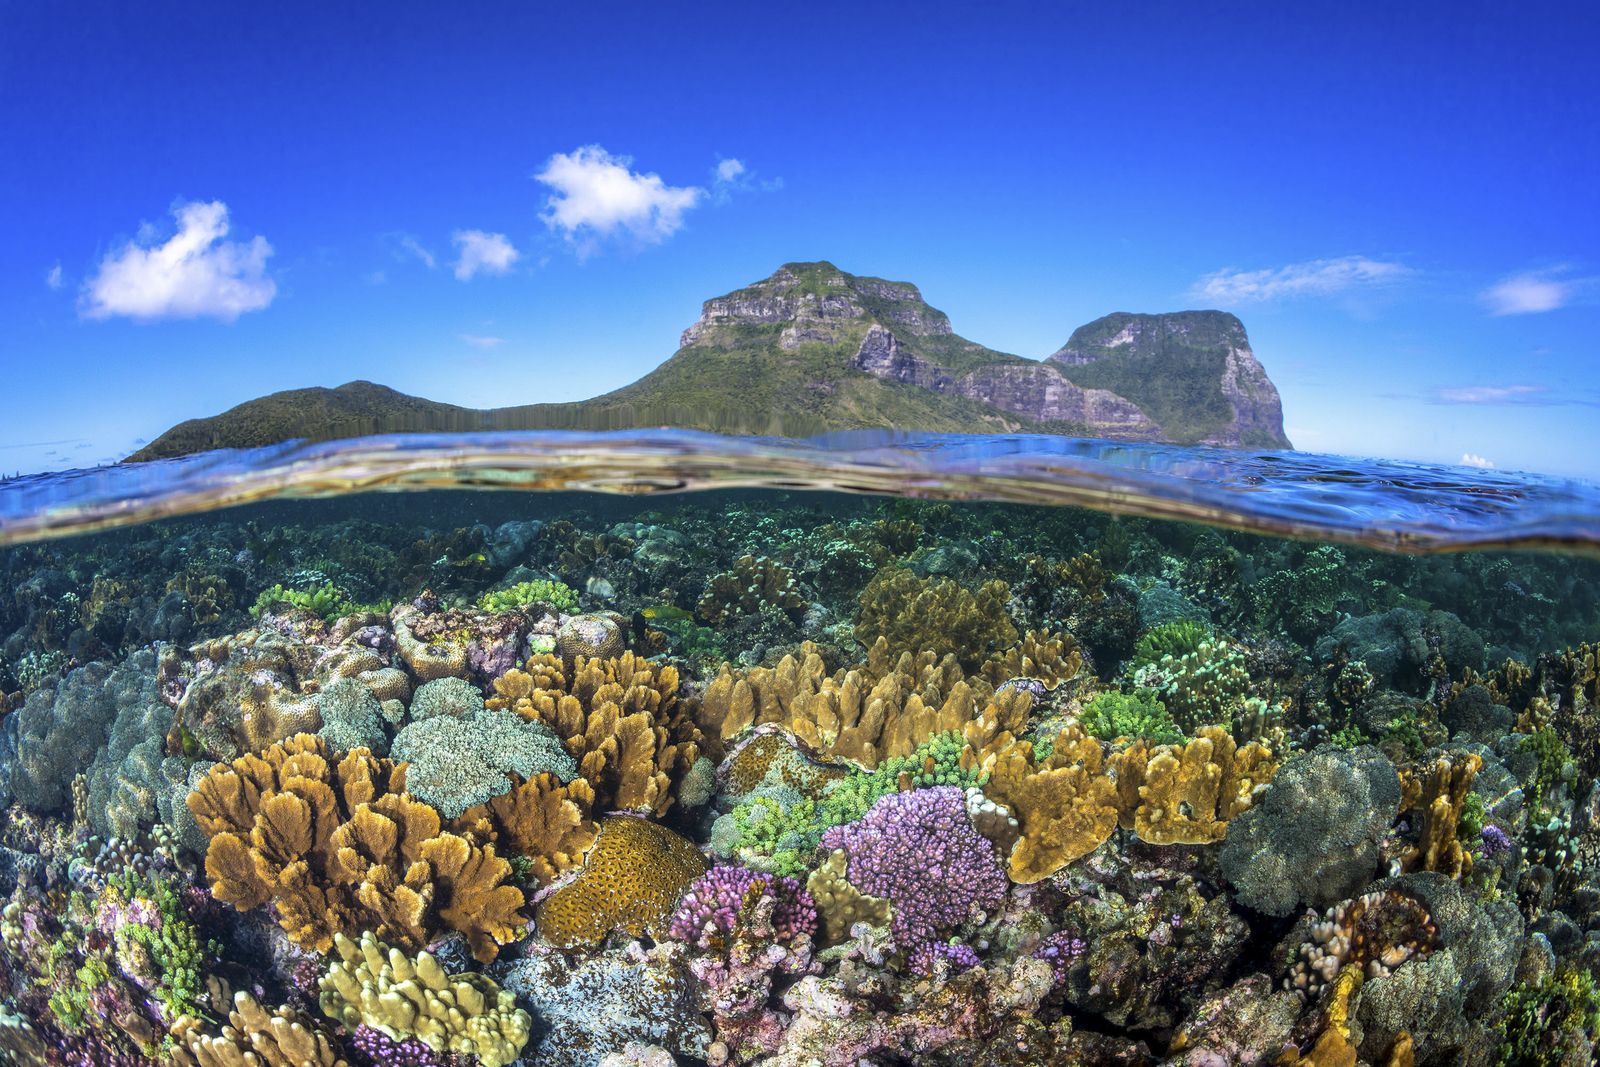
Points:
(666, 613)
(600, 587)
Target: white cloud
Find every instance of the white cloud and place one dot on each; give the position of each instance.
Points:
(414, 246)
(195, 273)
(597, 197)
(1488, 394)
(1530, 292)
(1469, 460)
(482, 342)
(1320, 277)
(53, 279)
(729, 169)
(490, 253)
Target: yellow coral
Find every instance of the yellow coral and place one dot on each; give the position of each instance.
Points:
(447, 659)
(1187, 794)
(254, 1037)
(841, 905)
(924, 614)
(541, 820)
(632, 880)
(1041, 655)
(1065, 807)
(1441, 797)
(405, 998)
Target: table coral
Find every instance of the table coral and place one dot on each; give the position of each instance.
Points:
(917, 614)
(919, 851)
(378, 986)
(754, 582)
(632, 880)
(340, 849)
(621, 719)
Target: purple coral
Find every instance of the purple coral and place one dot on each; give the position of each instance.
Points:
(920, 851)
(1062, 948)
(1495, 842)
(722, 899)
(925, 960)
(372, 1048)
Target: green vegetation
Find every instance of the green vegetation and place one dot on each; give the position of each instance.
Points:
(1111, 715)
(1175, 639)
(557, 594)
(327, 603)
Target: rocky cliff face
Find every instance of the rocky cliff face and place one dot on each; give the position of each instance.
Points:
(1143, 352)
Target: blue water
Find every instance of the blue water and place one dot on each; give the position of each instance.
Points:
(1382, 504)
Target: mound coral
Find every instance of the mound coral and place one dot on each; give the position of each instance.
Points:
(839, 903)
(340, 848)
(458, 763)
(753, 583)
(632, 880)
(620, 719)
(924, 614)
(374, 985)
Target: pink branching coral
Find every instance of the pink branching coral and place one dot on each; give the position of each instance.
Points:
(723, 899)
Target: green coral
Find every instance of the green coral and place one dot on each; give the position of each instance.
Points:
(1201, 688)
(558, 595)
(1404, 730)
(790, 837)
(1350, 737)
(328, 602)
(1553, 757)
(927, 614)
(1111, 715)
(1544, 1019)
(1175, 639)
(1470, 826)
(180, 957)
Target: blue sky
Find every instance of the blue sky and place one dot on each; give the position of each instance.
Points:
(494, 204)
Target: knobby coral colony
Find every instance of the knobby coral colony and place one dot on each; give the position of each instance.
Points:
(782, 784)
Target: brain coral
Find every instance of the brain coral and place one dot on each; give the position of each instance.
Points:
(632, 880)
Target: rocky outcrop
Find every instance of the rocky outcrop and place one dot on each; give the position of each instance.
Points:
(1143, 350)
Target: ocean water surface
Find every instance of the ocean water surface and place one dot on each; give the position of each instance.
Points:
(662, 747)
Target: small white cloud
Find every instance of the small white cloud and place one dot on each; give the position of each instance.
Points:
(729, 169)
(1320, 277)
(53, 279)
(1469, 460)
(482, 342)
(195, 273)
(1531, 292)
(731, 176)
(597, 197)
(490, 253)
(1488, 394)
(414, 246)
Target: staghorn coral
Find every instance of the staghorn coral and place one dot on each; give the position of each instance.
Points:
(374, 985)
(1441, 798)
(754, 582)
(923, 614)
(1375, 932)
(621, 719)
(540, 820)
(339, 848)
(1041, 655)
(255, 1037)
(632, 880)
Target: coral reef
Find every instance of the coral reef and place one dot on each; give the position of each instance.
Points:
(920, 614)
(754, 583)
(632, 879)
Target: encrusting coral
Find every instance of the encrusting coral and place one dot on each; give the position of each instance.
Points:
(753, 583)
(340, 848)
(926, 614)
(621, 719)
(375, 985)
(632, 880)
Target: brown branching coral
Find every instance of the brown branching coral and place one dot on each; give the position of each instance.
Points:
(621, 719)
(340, 848)
(1440, 796)
(632, 880)
(1041, 655)
(208, 595)
(1186, 794)
(876, 710)
(1083, 573)
(753, 582)
(542, 820)
(926, 614)
(255, 1037)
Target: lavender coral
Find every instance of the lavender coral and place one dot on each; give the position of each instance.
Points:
(919, 850)
(719, 902)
